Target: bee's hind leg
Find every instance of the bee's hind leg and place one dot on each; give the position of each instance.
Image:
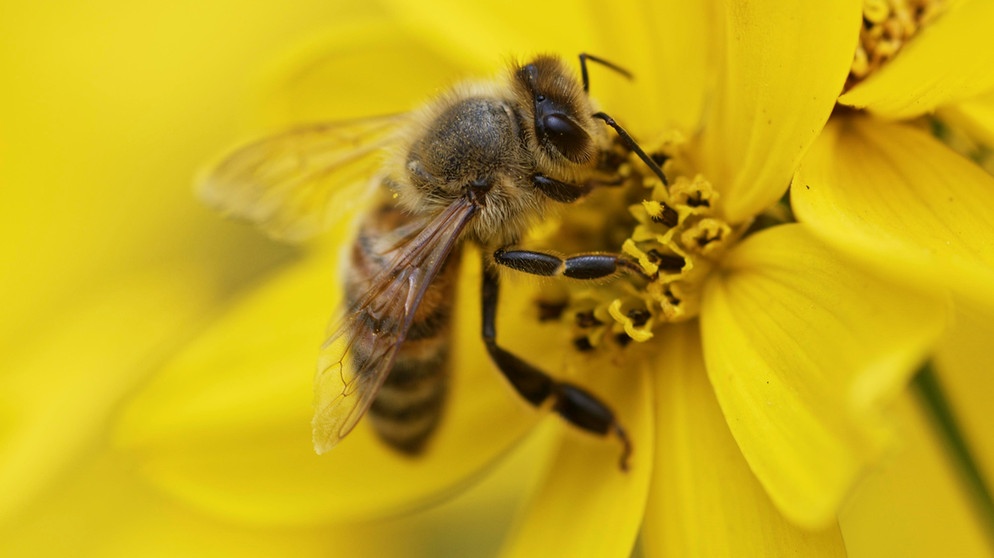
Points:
(578, 406)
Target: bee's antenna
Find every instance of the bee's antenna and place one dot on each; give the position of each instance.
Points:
(583, 69)
(630, 143)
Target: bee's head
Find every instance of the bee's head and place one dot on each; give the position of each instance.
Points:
(557, 114)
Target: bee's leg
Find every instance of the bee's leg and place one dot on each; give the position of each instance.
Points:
(578, 406)
(594, 265)
(558, 190)
(565, 192)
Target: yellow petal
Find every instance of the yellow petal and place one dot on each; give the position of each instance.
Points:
(949, 61)
(670, 68)
(585, 505)
(784, 66)
(704, 500)
(105, 509)
(59, 390)
(366, 64)
(673, 63)
(94, 179)
(226, 426)
(913, 505)
(490, 31)
(802, 346)
(897, 198)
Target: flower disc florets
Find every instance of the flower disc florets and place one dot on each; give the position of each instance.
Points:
(887, 26)
(670, 262)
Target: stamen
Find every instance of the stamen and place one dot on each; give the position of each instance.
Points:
(671, 234)
(706, 236)
(887, 26)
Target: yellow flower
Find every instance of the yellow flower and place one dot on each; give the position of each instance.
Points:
(877, 185)
(208, 449)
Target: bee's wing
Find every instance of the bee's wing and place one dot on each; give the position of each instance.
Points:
(297, 183)
(359, 355)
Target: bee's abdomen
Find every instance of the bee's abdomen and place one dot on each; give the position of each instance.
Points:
(409, 405)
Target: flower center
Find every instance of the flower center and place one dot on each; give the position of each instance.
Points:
(887, 26)
(672, 262)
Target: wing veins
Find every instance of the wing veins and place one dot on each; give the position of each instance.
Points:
(289, 183)
(400, 288)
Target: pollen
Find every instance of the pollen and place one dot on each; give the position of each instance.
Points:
(669, 262)
(888, 25)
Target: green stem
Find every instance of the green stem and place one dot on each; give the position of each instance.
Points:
(944, 421)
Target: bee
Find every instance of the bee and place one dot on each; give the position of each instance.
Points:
(479, 164)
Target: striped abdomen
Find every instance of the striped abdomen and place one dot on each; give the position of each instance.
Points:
(409, 404)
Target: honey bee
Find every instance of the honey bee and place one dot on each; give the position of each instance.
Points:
(479, 164)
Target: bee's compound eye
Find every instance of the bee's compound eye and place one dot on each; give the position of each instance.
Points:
(568, 138)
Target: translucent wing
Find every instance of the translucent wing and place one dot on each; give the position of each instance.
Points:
(359, 355)
(298, 183)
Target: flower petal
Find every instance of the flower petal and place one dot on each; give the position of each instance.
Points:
(673, 64)
(484, 30)
(586, 506)
(104, 508)
(704, 500)
(914, 505)
(364, 65)
(948, 62)
(226, 426)
(59, 390)
(801, 346)
(784, 66)
(897, 198)
(670, 74)
(105, 511)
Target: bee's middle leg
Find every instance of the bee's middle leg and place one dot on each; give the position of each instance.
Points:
(578, 406)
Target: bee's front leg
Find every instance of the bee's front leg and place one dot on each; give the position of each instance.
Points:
(578, 406)
(559, 191)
